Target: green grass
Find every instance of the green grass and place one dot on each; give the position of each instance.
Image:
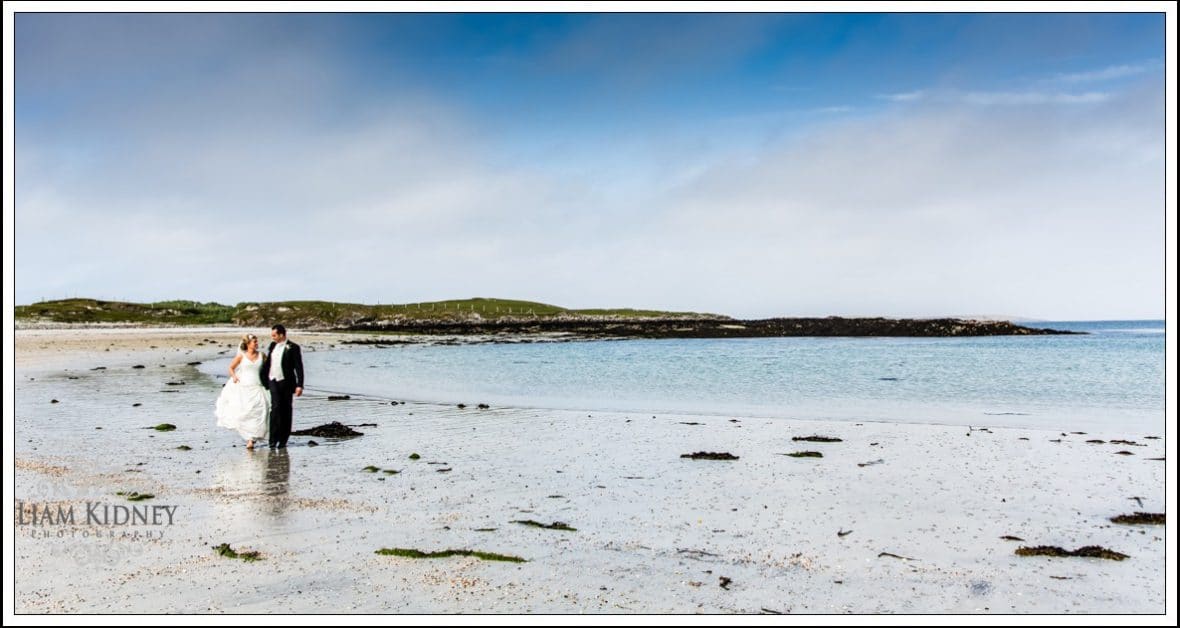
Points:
(305, 314)
(629, 313)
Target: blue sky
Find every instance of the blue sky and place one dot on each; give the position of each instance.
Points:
(751, 164)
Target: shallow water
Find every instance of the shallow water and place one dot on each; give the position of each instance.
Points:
(1111, 378)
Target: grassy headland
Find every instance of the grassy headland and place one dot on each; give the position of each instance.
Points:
(493, 317)
(314, 314)
(82, 311)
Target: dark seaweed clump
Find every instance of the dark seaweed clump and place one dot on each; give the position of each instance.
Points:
(710, 455)
(335, 429)
(1152, 518)
(556, 525)
(1089, 551)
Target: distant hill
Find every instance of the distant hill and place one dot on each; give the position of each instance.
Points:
(495, 317)
(315, 314)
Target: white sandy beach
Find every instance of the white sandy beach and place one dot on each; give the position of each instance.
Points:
(895, 518)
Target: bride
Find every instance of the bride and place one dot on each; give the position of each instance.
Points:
(244, 404)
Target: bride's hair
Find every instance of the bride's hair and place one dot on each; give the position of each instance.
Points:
(246, 341)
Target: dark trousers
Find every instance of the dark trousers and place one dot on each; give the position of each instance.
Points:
(281, 395)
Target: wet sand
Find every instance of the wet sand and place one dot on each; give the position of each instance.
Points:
(894, 518)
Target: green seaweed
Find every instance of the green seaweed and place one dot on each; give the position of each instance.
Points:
(164, 427)
(805, 454)
(184, 448)
(415, 457)
(134, 496)
(413, 553)
(819, 439)
(391, 471)
(371, 469)
(225, 550)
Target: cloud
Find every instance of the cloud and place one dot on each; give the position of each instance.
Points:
(1107, 74)
(997, 98)
(282, 176)
(1033, 98)
(906, 96)
(1044, 211)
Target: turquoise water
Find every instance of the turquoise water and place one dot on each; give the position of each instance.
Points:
(1111, 378)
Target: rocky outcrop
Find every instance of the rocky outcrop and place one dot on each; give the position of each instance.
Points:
(712, 327)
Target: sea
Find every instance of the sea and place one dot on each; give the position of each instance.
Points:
(1112, 377)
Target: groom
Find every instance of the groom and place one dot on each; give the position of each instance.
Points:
(282, 373)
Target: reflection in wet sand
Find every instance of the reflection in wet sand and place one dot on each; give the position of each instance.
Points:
(278, 474)
(257, 478)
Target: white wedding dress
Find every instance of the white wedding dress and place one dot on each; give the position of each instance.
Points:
(244, 406)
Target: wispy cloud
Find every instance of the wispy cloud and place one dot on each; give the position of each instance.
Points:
(1107, 73)
(997, 98)
(834, 109)
(1033, 98)
(1048, 95)
(913, 96)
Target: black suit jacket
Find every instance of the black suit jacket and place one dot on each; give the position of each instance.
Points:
(292, 365)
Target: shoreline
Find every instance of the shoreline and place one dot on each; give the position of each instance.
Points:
(54, 347)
